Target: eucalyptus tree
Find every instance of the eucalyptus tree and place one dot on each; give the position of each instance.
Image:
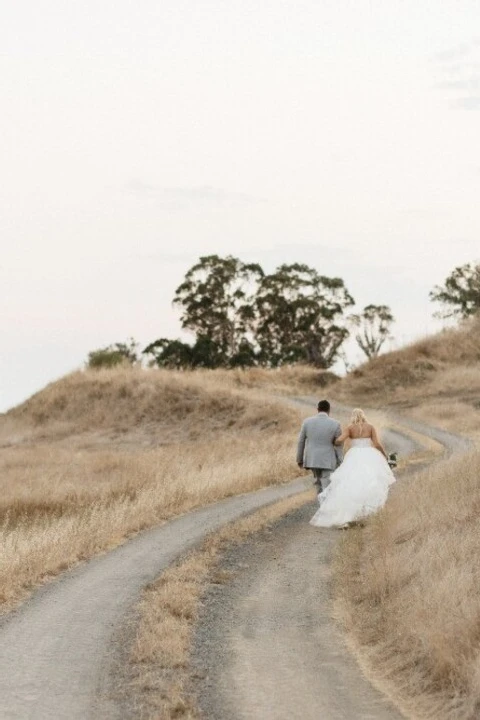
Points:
(372, 326)
(299, 316)
(460, 293)
(216, 300)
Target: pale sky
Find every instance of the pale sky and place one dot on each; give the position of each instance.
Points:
(137, 136)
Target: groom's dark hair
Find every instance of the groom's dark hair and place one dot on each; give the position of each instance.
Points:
(323, 406)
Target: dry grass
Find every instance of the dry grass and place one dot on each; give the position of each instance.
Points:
(456, 416)
(126, 405)
(444, 365)
(286, 380)
(168, 612)
(408, 585)
(100, 455)
(170, 606)
(427, 449)
(408, 589)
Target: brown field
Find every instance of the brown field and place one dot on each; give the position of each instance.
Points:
(440, 371)
(408, 584)
(408, 592)
(99, 455)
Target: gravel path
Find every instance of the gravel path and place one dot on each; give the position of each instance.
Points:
(267, 647)
(58, 648)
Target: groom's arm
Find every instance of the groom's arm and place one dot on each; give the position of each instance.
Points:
(338, 448)
(301, 445)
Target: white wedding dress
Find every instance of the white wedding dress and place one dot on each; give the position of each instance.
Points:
(358, 487)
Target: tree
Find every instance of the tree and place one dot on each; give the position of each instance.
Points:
(116, 354)
(298, 316)
(204, 353)
(373, 328)
(460, 295)
(170, 353)
(217, 304)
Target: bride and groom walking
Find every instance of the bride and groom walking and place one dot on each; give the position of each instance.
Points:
(349, 488)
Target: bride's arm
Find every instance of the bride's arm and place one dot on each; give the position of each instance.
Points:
(344, 436)
(377, 444)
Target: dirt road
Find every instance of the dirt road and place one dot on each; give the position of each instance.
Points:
(57, 650)
(267, 647)
(267, 643)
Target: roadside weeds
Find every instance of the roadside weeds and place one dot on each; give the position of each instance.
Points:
(406, 592)
(169, 608)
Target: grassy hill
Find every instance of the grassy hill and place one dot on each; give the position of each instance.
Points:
(101, 454)
(408, 584)
(436, 380)
(135, 406)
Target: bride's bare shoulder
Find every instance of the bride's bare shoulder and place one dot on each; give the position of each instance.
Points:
(365, 430)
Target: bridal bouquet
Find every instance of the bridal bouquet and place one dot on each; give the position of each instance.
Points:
(392, 459)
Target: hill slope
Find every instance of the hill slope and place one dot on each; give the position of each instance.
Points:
(99, 455)
(436, 380)
(162, 406)
(408, 582)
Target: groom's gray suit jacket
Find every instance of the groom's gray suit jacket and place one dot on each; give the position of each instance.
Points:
(316, 447)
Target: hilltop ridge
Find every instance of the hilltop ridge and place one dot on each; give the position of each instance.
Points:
(444, 367)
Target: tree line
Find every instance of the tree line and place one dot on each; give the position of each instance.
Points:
(240, 316)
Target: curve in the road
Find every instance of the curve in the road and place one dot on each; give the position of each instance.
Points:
(266, 644)
(56, 646)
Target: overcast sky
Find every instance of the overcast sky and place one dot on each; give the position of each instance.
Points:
(137, 136)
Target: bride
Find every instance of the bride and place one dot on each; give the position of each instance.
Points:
(360, 485)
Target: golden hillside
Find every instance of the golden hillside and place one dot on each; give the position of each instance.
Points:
(436, 379)
(408, 582)
(98, 455)
(139, 406)
(420, 368)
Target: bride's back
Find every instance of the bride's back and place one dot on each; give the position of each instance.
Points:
(360, 430)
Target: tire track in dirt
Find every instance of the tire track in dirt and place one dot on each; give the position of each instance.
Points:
(267, 646)
(57, 649)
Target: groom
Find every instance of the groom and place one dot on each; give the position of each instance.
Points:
(316, 450)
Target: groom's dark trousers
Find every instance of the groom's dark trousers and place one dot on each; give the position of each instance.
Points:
(322, 478)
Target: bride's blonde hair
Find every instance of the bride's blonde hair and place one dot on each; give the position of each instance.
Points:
(358, 416)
